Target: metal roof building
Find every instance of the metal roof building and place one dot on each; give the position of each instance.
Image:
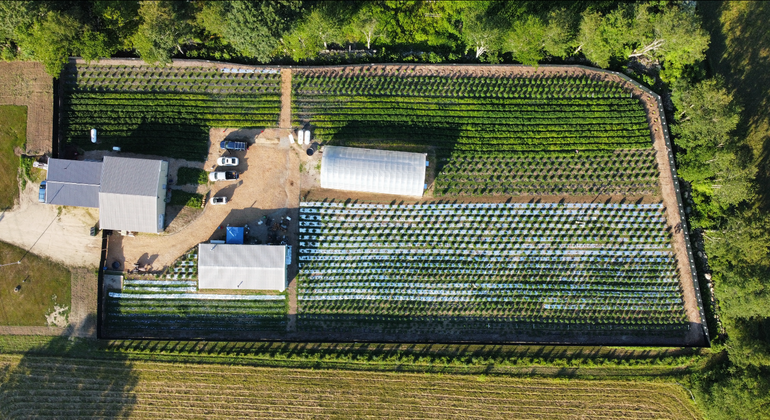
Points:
(129, 193)
(246, 267)
(132, 194)
(73, 183)
(375, 171)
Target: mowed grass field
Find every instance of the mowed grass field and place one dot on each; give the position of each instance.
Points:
(13, 131)
(36, 386)
(44, 285)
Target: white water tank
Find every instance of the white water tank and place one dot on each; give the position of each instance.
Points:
(93, 135)
(307, 137)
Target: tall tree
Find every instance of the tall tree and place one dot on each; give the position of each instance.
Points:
(51, 40)
(525, 40)
(161, 30)
(367, 25)
(313, 34)
(482, 32)
(252, 27)
(559, 35)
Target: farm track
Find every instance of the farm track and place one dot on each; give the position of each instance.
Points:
(65, 388)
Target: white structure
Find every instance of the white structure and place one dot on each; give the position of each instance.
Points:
(375, 171)
(244, 267)
(132, 195)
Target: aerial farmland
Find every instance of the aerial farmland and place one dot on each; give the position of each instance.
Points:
(541, 208)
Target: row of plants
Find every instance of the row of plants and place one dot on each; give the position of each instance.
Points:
(203, 79)
(469, 86)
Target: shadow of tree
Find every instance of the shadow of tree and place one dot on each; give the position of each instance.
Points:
(738, 52)
(47, 383)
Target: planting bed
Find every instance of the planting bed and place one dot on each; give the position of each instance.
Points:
(166, 112)
(171, 303)
(535, 121)
(499, 267)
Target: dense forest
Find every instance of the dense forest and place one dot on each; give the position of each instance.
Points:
(660, 43)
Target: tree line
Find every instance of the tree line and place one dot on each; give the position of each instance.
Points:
(293, 31)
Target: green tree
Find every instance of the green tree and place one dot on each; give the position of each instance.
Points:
(526, 40)
(482, 32)
(367, 25)
(253, 28)
(674, 37)
(118, 20)
(560, 32)
(161, 29)
(313, 34)
(51, 40)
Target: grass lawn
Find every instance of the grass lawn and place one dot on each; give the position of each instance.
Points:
(44, 284)
(13, 132)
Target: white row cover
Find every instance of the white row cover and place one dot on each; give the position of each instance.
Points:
(375, 171)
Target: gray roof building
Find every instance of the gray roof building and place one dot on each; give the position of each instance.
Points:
(375, 171)
(132, 194)
(73, 183)
(129, 193)
(245, 267)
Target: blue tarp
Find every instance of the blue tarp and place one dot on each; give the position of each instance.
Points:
(234, 235)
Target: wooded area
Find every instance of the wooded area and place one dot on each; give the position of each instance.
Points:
(717, 107)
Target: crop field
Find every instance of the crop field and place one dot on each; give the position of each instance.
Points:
(561, 128)
(599, 267)
(166, 112)
(146, 306)
(35, 386)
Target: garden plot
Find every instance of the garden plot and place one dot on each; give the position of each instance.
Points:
(171, 301)
(604, 267)
(534, 122)
(133, 107)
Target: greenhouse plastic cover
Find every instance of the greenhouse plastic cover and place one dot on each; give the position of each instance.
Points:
(376, 171)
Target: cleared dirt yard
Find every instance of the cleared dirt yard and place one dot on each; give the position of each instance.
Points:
(268, 185)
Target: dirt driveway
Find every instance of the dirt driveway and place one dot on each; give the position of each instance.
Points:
(268, 185)
(56, 232)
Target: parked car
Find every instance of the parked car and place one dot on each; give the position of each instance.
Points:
(41, 194)
(223, 176)
(215, 201)
(227, 161)
(232, 145)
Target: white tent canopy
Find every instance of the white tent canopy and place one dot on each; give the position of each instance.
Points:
(375, 171)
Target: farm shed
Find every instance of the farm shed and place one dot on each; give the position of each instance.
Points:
(73, 183)
(375, 171)
(132, 194)
(244, 267)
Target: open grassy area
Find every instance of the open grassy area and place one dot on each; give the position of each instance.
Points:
(13, 129)
(35, 385)
(44, 286)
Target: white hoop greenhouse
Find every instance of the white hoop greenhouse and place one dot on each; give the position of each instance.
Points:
(375, 171)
